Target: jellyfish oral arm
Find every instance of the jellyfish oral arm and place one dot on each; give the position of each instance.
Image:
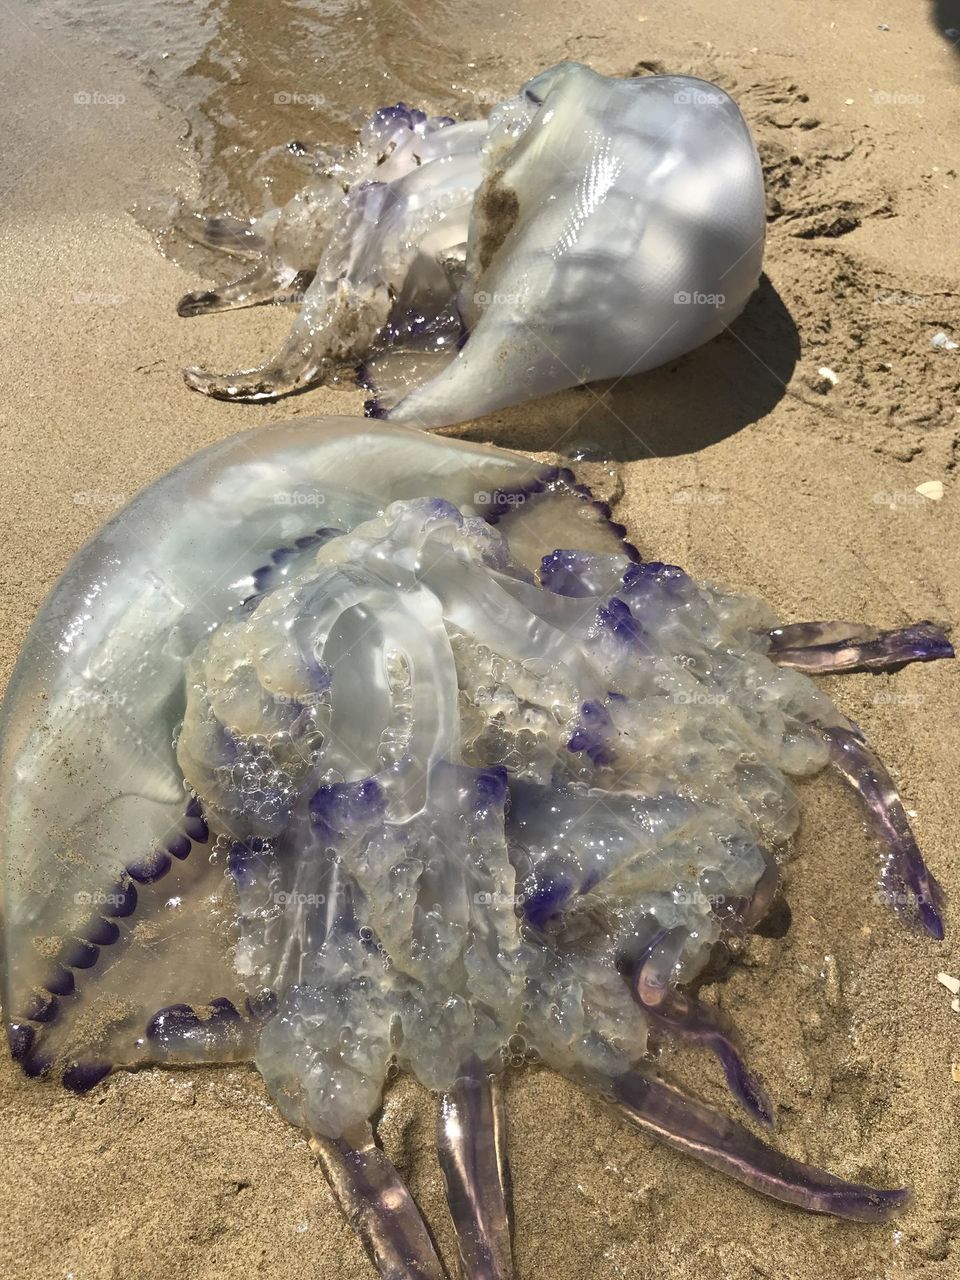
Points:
(825, 648)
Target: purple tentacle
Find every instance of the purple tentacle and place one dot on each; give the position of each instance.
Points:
(827, 647)
(675, 1013)
(470, 1144)
(913, 889)
(696, 1129)
(682, 1015)
(380, 1209)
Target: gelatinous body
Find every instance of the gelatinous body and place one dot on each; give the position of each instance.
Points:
(345, 749)
(592, 228)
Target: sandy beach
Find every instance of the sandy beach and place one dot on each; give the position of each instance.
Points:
(745, 462)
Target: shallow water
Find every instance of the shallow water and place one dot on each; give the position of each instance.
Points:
(252, 76)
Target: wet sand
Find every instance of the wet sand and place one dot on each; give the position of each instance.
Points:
(742, 462)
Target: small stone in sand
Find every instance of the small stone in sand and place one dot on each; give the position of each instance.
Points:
(932, 489)
(950, 982)
(943, 342)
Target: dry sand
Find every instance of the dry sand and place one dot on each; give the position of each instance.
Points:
(742, 463)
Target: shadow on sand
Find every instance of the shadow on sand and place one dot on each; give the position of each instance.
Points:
(707, 395)
(945, 16)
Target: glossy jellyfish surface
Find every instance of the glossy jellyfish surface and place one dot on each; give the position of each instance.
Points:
(592, 227)
(347, 750)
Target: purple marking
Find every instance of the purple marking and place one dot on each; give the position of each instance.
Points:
(179, 846)
(20, 1038)
(649, 571)
(565, 573)
(121, 901)
(37, 1065)
(224, 1010)
(504, 501)
(399, 113)
(102, 933)
(617, 618)
(343, 806)
(172, 1020)
(81, 955)
(374, 409)
(564, 478)
(61, 982)
(546, 898)
(196, 830)
(80, 1077)
(266, 574)
(42, 1007)
(593, 734)
(438, 509)
(153, 867)
(491, 785)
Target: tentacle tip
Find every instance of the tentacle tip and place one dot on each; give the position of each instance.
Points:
(937, 641)
(221, 388)
(943, 648)
(869, 1204)
(197, 379)
(194, 304)
(923, 900)
(743, 1084)
(932, 921)
(921, 910)
(752, 1096)
(763, 1111)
